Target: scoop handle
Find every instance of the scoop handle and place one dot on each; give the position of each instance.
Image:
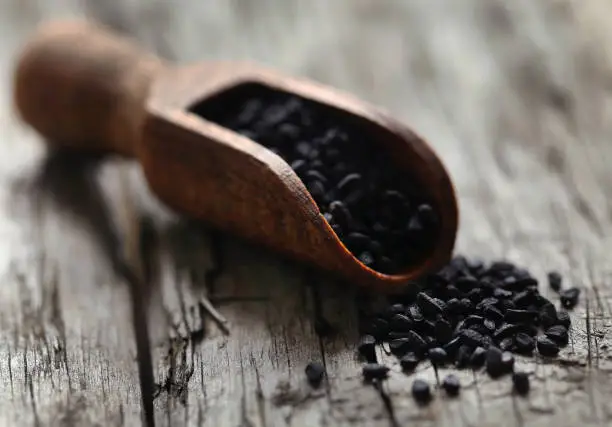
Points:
(83, 87)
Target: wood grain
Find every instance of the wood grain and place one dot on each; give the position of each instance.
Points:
(514, 95)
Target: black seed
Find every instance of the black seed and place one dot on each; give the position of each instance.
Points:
(429, 305)
(467, 305)
(505, 330)
(466, 284)
(494, 314)
(548, 314)
(486, 302)
(409, 362)
(416, 341)
(451, 385)
(341, 213)
(452, 346)
(374, 371)
(506, 344)
(555, 281)
(520, 382)
(349, 183)
(437, 356)
(395, 309)
(524, 343)
(558, 334)
(475, 295)
(401, 322)
(415, 313)
(314, 373)
(500, 293)
(367, 348)
(569, 297)
(443, 330)
(520, 316)
(400, 346)
(563, 318)
(421, 391)
(378, 327)
(472, 320)
(471, 337)
(546, 347)
(477, 358)
(453, 306)
(493, 362)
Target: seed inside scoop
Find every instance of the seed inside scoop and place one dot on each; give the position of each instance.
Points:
(377, 211)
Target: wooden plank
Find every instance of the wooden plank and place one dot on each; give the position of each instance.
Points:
(515, 97)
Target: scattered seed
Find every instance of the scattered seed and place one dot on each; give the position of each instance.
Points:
(315, 371)
(421, 391)
(409, 362)
(451, 385)
(569, 297)
(520, 381)
(547, 347)
(375, 371)
(437, 356)
(555, 281)
(558, 334)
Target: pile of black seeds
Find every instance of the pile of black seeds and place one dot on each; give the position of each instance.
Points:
(470, 315)
(378, 213)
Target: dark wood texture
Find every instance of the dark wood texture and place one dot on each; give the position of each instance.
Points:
(514, 96)
(80, 85)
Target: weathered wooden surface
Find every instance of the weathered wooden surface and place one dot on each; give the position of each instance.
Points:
(516, 97)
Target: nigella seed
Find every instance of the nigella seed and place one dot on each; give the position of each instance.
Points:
(520, 316)
(415, 313)
(451, 385)
(401, 322)
(563, 318)
(399, 346)
(357, 242)
(558, 334)
(548, 314)
(506, 344)
(490, 325)
(453, 306)
(505, 330)
(416, 341)
(374, 371)
(409, 362)
(452, 346)
(524, 343)
(547, 347)
(569, 297)
(315, 372)
(349, 183)
(443, 330)
(493, 362)
(421, 391)
(494, 314)
(555, 281)
(477, 359)
(520, 383)
(501, 293)
(367, 348)
(471, 337)
(367, 259)
(437, 356)
(429, 305)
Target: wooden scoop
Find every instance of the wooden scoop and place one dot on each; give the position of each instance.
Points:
(84, 88)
